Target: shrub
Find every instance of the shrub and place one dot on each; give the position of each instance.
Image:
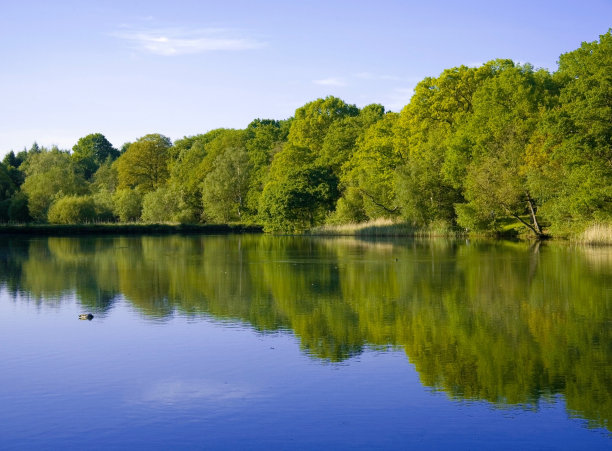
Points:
(161, 205)
(127, 205)
(72, 210)
(103, 203)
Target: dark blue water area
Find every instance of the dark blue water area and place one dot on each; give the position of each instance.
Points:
(123, 381)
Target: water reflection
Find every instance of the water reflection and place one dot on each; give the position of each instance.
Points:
(510, 323)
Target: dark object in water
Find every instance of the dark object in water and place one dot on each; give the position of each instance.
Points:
(87, 316)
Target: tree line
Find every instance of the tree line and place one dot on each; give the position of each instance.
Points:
(477, 148)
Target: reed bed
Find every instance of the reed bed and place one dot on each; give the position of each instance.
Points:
(599, 234)
(384, 228)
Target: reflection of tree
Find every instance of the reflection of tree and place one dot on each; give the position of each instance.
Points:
(507, 323)
(304, 280)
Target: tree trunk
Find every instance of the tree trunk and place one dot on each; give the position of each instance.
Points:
(538, 233)
(536, 226)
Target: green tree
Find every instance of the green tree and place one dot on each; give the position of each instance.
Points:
(370, 173)
(312, 121)
(506, 112)
(105, 178)
(299, 193)
(91, 151)
(570, 155)
(342, 135)
(104, 206)
(194, 158)
(18, 208)
(7, 190)
(225, 188)
(425, 132)
(161, 205)
(265, 138)
(12, 163)
(184, 175)
(144, 165)
(127, 204)
(50, 175)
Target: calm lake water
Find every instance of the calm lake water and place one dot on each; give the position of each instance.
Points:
(260, 342)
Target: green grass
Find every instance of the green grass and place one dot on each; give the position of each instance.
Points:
(124, 229)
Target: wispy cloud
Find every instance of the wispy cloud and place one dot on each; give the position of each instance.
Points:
(331, 81)
(179, 41)
(371, 76)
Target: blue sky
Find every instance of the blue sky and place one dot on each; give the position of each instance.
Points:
(128, 68)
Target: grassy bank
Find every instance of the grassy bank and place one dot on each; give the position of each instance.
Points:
(125, 229)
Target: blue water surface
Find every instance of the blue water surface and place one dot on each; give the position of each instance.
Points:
(127, 380)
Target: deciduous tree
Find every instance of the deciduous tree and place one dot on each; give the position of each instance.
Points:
(144, 165)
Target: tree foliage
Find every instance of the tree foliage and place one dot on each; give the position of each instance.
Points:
(144, 165)
(91, 151)
(50, 174)
(127, 204)
(225, 188)
(299, 193)
(72, 210)
(570, 156)
(312, 121)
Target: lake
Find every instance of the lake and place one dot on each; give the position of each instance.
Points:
(260, 342)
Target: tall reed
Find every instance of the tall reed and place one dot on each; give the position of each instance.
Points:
(596, 234)
(384, 227)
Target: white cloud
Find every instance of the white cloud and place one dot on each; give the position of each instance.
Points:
(331, 81)
(171, 42)
(371, 76)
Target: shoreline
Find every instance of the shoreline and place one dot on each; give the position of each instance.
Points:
(125, 229)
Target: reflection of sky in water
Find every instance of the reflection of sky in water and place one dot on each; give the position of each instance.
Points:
(186, 392)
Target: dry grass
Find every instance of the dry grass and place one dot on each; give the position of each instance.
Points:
(596, 234)
(383, 227)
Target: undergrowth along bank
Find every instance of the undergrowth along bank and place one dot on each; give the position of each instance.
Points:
(125, 229)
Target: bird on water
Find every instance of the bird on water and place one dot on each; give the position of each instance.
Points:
(87, 316)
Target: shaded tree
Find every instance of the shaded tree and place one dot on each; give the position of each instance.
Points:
(91, 151)
(299, 193)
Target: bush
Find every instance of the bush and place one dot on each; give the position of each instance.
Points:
(161, 205)
(127, 205)
(72, 210)
(103, 203)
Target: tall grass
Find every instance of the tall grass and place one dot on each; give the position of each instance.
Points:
(383, 227)
(596, 234)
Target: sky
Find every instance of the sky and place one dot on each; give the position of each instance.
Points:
(128, 68)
